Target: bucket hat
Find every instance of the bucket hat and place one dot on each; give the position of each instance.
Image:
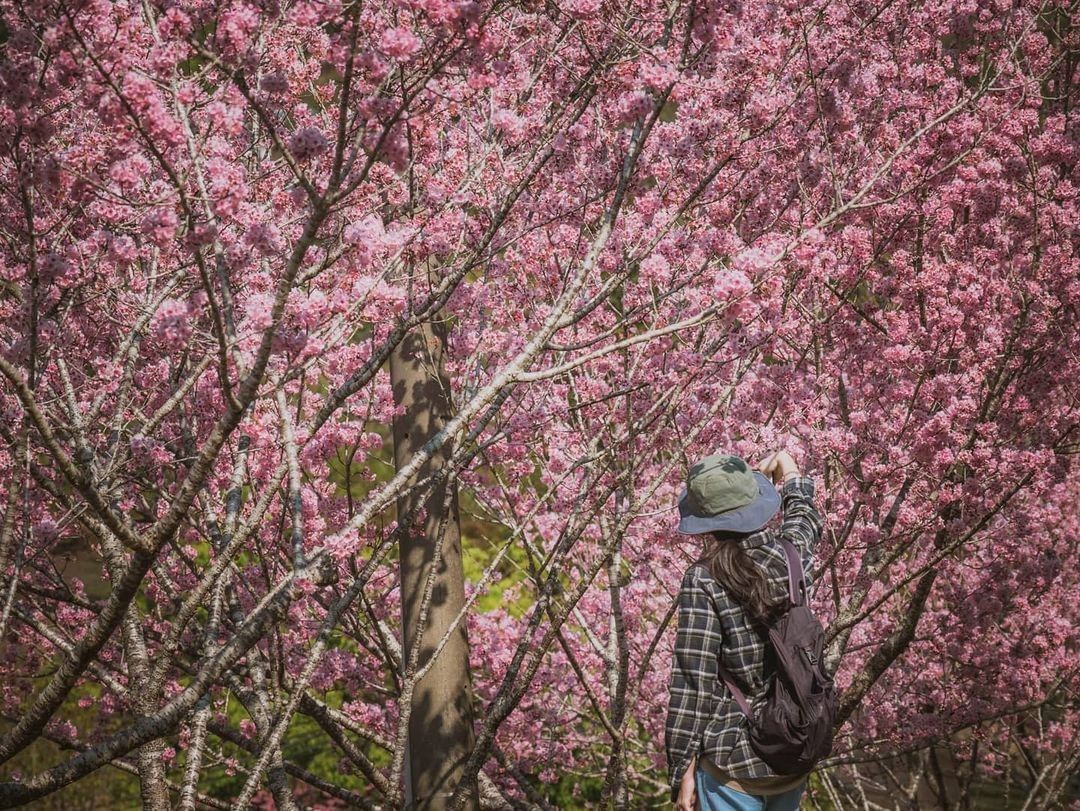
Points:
(722, 493)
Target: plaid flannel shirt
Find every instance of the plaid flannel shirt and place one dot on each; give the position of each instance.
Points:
(703, 718)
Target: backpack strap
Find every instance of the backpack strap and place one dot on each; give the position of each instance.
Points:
(796, 577)
(744, 705)
(797, 594)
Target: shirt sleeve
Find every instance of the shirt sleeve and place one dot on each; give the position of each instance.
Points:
(802, 523)
(693, 677)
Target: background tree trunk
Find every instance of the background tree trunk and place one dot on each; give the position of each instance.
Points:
(440, 728)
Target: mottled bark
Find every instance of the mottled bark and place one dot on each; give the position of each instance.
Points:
(440, 735)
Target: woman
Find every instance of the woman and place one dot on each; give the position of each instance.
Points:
(725, 600)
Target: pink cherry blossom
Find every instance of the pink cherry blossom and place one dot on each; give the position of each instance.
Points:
(399, 43)
(615, 237)
(308, 143)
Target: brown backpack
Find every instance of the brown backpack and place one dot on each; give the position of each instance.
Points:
(794, 729)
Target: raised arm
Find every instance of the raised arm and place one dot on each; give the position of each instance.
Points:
(802, 523)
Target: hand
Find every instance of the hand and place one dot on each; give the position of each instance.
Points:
(777, 465)
(687, 799)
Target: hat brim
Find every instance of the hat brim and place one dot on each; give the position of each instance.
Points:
(747, 518)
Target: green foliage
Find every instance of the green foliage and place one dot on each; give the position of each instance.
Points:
(481, 541)
(108, 787)
(816, 786)
(307, 745)
(561, 794)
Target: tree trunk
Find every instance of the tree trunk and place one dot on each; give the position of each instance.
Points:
(440, 735)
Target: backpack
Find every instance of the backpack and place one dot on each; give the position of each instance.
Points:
(794, 729)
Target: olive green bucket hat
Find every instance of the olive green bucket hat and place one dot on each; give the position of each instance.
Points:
(723, 494)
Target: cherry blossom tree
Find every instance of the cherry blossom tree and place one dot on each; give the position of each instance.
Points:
(611, 237)
(973, 767)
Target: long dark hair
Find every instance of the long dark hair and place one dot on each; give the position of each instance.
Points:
(731, 566)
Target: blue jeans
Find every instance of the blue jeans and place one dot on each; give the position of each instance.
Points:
(712, 795)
